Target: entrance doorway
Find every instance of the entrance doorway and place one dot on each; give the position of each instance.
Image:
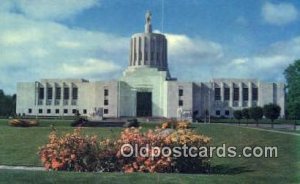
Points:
(143, 104)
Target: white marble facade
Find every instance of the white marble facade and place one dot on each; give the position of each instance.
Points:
(147, 74)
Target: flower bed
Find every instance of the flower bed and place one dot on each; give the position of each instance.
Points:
(23, 123)
(75, 152)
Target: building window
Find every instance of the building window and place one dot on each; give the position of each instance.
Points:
(140, 42)
(40, 111)
(105, 92)
(152, 56)
(236, 95)
(49, 93)
(218, 113)
(134, 56)
(152, 43)
(84, 111)
(74, 111)
(105, 102)
(105, 111)
(75, 93)
(254, 94)
(48, 111)
(66, 93)
(146, 56)
(146, 43)
(29, 111)
(58, 93)
(227, 94)
(180, 92)
(227, 112)
(245, 94)
(56, 111)
(65, 111)
(41, 93)
(180, 102)
(217, 93)
(140, 57)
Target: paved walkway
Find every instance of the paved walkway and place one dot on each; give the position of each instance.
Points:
(262, 129)
(26, 168)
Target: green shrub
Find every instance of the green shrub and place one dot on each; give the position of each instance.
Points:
(238, 115)
(271, 111)
(132, 123)
(256, 113)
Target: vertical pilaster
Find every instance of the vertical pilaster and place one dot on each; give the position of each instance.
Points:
(155, 52)
(45, 94)
(62, 94)
(143, 50)
(161, 51)
(54, 93)
(70, 93)
(250, 94)
(231, 94)
(222, 91)
(240, 94)
(134, 51)
(166, 54)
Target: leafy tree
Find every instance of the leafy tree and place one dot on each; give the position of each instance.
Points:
(292, 76)
(271, 111)
(245, 113)
(7, 104)
(256, 113)
(238, 115)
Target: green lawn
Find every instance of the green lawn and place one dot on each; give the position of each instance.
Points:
(18, 146)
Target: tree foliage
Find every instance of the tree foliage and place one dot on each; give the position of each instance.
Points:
(292, 76)
(271, 111)
(238, 114)
(256, 113)
(7, 104)
(245, 113)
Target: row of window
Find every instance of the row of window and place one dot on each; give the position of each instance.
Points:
(66, 93)
(236, 94)
(180, 94)
(65, 111)
(57, 102)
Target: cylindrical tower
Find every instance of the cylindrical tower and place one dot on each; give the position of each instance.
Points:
(148, 49)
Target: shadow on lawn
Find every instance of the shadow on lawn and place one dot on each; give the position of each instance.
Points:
(223, 169)
(227, 169)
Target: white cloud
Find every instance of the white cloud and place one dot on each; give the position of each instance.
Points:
(48, 9)
(32, 49)
(279, 14)
(268, 65)
(186, 49)
(89, 66)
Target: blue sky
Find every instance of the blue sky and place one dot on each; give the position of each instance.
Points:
(90, 38)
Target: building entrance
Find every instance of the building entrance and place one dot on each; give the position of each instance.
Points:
(143, 104)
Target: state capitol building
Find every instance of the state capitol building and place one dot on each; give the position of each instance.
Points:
(146, 89)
